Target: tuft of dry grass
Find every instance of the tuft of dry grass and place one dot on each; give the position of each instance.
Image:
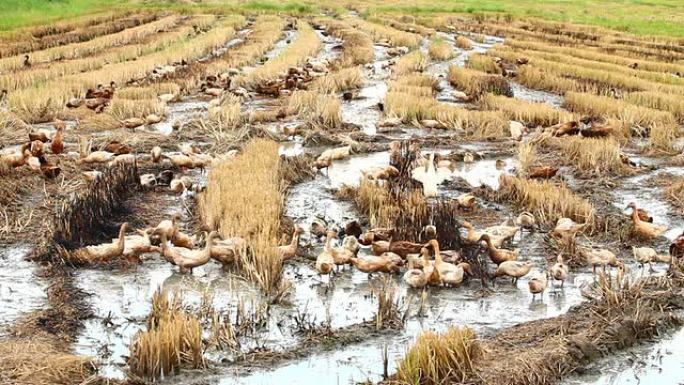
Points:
(527, 156)
(639, 118)
(306, 44)
(379, 32)
(659, 101)
(436, 359)
(475, 83)
(415, 61)
(547, 201)
(484, 63)
(440, 50)
(173, 340)
(463, 42)
(593, 156)
(535, 114)
(38, 362)
(121, 108)
(342, 80)
(324, 110)
(675, 192)
(357, 45)
(227, 115)
(265, 32)
(244, 197)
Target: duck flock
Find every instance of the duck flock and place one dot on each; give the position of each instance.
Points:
(421, 264)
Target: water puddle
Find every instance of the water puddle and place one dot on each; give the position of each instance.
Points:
(21, 291)
(646, 364)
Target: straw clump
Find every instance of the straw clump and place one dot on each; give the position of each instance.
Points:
(440, 50)
(441, 358)
(173, 340)
(39, 362)
(244, 197)
(475, 83)
(547, 201)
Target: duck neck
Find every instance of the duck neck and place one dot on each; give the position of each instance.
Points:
(120, 242)
(635, 214)
(426, 260)
(328, 244)
(206, 254)
(295, 239)
(438, 256)
(489, 244)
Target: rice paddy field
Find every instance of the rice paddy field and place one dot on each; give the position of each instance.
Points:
(251, 193)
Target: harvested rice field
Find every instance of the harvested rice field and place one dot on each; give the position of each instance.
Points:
(227, 193)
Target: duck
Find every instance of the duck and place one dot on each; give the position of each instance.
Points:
(188, 149)
(468, 157)
(97, 157)
(187, 259)
(36, 148)
(148, 181)
(331, 154)
(49, 170)
(374, 264)
(598, 130)
(181, 239)
(319, 227)
(104, 252)
(567, 228)
(375, 235)
(123, 159)
(537, 285)
(117, 148)
(449, 274)
(466, 201)
(429, 232)
(379, 247)
(525, 220)
(393, 258)
(168, 226)
(644, 255)
(473, 237)
(677, 247)
(542, 172)
(134, 245)
(179, 185)
(325, 262)
(404, 248)
(57, 144)
(226, 251)
(92, 176)
(567, 128)
(500, 164)
(156, 154)
(164, 177)
(505, 231)
(289, 251)
(513, 269)
(414, 277)
(497, 255)
(643, 215)
(180, 160)
(380, 173)
(559, 271)
(201, 160)
(643, 229)
(427, 175)
(39, 135)
(17, 158)
(600, 257)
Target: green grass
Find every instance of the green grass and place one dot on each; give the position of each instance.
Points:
(654, 17)
(641, 17)
(20, 13)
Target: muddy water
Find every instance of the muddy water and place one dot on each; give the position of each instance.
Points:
(646, 364)
(21, 291)
(363, 110)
